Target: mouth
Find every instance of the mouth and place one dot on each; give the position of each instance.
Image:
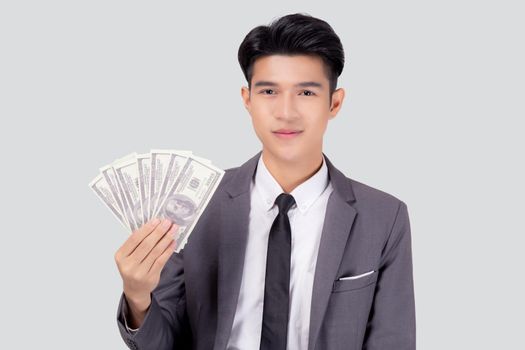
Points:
(287, 133)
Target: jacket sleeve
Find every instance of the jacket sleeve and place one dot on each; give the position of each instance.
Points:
(166, 324)
(392, 320)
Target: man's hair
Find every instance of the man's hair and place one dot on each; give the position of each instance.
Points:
(294, 34)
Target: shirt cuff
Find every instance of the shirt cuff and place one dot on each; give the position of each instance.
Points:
(131, 330)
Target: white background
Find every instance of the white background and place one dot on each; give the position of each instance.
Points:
(433, 115)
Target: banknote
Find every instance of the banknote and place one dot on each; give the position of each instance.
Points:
(118, 189)
(160, 161)
(108, 173)
(173, 184)
(102, 189)
(173, 167)
(188, 196)
(127, 173)
(144, 168)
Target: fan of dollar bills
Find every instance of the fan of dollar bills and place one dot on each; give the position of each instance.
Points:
(171, 184)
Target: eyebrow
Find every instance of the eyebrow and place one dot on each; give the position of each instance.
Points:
(301, 84)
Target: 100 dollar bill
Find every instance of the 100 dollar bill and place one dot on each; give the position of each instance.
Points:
(189, 196)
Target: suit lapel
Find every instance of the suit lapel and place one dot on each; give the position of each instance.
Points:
(338, 222)
(233, 230)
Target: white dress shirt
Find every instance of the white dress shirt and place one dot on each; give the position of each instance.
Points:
(306, 222)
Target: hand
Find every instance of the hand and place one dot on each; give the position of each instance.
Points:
(140, 261)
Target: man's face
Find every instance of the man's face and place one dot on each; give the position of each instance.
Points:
(290, 106)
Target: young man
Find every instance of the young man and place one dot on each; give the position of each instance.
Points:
(289, 253)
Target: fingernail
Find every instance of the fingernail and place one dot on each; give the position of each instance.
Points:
(155, 221)
(166, 223)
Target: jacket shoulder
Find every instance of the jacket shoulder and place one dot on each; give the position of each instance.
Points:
(227, 177)
(221, 192)
(369, 196)
(228, 173)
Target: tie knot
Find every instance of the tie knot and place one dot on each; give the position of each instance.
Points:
(284, 201)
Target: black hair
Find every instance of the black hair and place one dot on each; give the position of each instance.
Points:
(294, 34)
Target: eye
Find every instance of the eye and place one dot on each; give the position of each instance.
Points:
(266, 90)
(308, 93)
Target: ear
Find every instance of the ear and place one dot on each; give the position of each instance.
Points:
(337, 102)
(245, 94)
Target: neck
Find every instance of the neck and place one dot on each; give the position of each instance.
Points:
(288, 174)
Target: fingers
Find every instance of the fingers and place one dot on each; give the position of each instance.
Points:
(149, 242)
(151, 245)
(159, 263)
(159, 249)
(136, 238)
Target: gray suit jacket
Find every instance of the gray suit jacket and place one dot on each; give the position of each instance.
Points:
(365, 229)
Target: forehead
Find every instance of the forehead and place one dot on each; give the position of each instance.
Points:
(289, 69)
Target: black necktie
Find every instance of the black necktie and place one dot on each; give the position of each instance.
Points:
(277, 285)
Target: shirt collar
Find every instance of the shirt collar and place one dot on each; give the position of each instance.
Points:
(305, 194)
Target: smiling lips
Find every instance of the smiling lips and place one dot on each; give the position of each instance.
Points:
(287, 133)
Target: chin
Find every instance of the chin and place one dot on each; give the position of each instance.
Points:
(289, 156)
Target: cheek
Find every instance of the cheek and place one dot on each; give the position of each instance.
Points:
(259, 126)
(318, 126)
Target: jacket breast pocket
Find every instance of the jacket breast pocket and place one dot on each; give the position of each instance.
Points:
(343, 285)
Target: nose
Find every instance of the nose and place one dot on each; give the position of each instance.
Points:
(285, 108)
